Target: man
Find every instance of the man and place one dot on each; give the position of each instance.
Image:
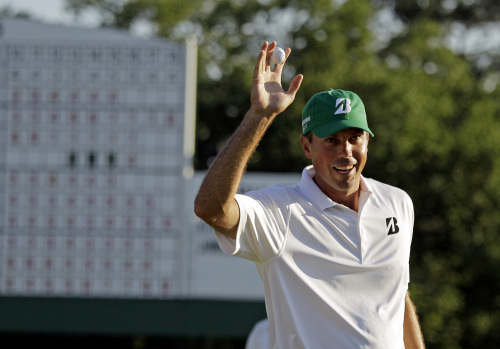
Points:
(332, 251)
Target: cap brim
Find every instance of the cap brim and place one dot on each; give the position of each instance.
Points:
(326, 130)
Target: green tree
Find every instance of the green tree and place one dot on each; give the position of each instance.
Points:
(459, 19)
(123, 14)
(8, 12)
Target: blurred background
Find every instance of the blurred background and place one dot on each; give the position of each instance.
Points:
(428, 73)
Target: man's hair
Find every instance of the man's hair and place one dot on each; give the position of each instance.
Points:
(309, 136)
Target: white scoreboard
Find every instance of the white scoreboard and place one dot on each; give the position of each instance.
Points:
(92, 162)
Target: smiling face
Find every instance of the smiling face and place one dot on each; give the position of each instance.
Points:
(338, 161)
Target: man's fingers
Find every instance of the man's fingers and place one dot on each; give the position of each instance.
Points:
(263, 65)
(260, 66)
(269, 51)
(295, 84)
(271, 47)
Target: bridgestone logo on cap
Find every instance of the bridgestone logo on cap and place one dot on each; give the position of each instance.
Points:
(344, 107)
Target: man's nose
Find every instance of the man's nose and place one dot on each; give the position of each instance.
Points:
(346, 150)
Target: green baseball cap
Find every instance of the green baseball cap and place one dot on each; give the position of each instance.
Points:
(332, 111)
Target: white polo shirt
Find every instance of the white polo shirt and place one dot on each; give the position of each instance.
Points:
(333, 277)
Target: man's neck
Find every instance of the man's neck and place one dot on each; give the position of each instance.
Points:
(349, 198)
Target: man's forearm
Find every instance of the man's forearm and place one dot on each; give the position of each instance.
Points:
(215, 200)
(413, 337)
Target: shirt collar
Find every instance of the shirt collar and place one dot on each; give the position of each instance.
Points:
(315, 195)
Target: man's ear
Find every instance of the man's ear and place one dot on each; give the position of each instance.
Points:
(306, 145)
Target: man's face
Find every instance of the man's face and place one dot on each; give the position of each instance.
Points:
(338, 160)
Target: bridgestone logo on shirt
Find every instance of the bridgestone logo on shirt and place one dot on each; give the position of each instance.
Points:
(392, 224)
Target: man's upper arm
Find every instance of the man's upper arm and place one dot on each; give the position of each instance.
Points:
(223, 217)
(228, 224)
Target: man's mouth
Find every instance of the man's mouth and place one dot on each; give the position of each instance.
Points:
(343, 169)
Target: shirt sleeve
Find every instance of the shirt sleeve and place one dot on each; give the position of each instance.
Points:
(261, 230)
(411, 215)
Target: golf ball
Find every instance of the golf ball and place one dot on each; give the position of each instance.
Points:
(278, 55)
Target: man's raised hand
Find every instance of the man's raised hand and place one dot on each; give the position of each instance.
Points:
(268, 97)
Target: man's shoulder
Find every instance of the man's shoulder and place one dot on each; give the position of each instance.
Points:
(277, 193)
(385, 189)
(276, 190)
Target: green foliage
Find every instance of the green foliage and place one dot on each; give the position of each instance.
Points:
(7, 12)
(437, 130)
(122, 14)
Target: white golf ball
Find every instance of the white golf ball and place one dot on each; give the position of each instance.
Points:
(278, 55)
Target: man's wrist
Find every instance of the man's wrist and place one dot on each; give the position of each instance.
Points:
(261, 114)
